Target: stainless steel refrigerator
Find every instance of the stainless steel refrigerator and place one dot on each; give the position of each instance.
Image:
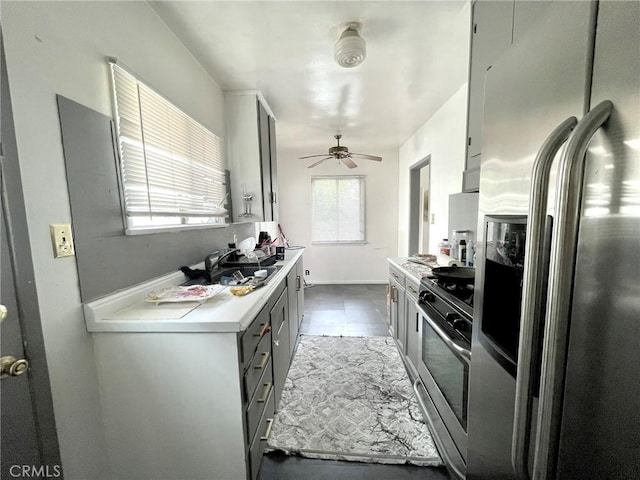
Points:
(555, 375)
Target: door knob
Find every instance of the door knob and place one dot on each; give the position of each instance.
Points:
(12, 367)
(3, 312)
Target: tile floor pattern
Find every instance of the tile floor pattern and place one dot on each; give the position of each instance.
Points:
(350, 310)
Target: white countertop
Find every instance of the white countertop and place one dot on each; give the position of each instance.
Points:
(414, 270)
(127, 310)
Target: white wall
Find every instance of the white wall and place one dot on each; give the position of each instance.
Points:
(345, 263)
(59, 47)
(443, 137)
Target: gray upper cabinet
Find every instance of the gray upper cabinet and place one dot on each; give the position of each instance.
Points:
(492, 34)
(268, 163)
(251, 156)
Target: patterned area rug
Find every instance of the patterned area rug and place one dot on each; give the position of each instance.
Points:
(349, 398)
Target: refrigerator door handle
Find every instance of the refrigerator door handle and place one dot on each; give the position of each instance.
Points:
(532, 289)
(561, 271)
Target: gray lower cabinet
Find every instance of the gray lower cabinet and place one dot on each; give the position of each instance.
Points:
(397, 322)
(300, 288)
(404, 316)
(412, 318)
(292, 282)
(258, 392)
(226, 394)
(295, 291)
(279, 315)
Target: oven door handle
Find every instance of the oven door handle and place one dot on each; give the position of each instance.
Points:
(462, 352)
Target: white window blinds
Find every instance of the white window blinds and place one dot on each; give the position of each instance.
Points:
(171, 166)
(338, 209)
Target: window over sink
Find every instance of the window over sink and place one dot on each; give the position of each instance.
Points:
(338, 209)
(171, 167)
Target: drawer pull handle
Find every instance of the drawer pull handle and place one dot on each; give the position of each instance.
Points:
(263, 363)
(265, 393)
(267, 434)
(265, 329)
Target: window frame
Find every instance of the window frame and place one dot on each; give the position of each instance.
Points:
(181, 222)
(363, 204)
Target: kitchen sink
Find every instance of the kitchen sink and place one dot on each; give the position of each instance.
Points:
(247, 271)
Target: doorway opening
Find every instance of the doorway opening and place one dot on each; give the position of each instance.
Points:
(419, 206)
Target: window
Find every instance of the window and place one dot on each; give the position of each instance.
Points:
(171, 167)
(337, 209)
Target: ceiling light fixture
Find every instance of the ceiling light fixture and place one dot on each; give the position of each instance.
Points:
(350, 49)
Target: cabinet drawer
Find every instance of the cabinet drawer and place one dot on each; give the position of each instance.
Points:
(259, 400)
(260, 362)
(262, 435)
(252, 336)
(412, 287)
(397, 275)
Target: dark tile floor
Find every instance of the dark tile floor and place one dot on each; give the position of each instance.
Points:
(353, 310)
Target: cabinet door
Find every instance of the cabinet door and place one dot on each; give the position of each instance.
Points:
(265, 161)
(491, 36)
(300, 289)
(292, 295)
(401, 331)
(273, 162)
(396, 306)
(412, 317)
(280, 347)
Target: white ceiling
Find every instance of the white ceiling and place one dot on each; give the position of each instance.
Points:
(417, 57)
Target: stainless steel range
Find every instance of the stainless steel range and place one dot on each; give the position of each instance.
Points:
(446, 310)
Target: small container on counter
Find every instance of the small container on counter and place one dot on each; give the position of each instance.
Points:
(471, 254)
(444, 247)
(462, 251)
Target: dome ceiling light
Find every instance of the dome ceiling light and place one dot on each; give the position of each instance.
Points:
(350, 49)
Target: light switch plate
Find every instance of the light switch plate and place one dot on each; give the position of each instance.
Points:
(62, 240)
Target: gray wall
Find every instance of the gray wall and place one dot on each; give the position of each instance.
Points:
(107, 259)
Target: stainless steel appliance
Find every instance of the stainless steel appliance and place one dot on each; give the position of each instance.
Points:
(444, 329)
(554, 390)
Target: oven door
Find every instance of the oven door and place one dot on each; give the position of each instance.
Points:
(444, 370)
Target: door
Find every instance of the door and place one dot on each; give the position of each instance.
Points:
(19, 438)
(29, 441)
(600, 429)
(530, 90)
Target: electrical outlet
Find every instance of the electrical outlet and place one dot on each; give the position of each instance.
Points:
(306, 272)
(62, 240)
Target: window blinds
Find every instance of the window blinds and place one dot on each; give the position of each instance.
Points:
(338, 209)
(171, 166)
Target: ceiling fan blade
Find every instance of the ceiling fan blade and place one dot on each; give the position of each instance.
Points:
(311, 156)
(319, 162)
(348, 162)
(368, 157)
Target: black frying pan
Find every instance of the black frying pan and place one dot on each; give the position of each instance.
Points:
(455, 274)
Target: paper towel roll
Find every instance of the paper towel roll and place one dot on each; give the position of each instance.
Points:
(447, 261)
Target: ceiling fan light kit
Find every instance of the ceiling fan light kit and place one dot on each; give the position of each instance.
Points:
(350, 49)
(342, 155)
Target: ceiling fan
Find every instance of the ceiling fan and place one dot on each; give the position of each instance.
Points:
(342, 154)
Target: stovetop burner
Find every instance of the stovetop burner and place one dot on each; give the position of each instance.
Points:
(463, 292)
(458, 295)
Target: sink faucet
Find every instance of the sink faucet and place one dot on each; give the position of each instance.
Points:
(213, 261)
